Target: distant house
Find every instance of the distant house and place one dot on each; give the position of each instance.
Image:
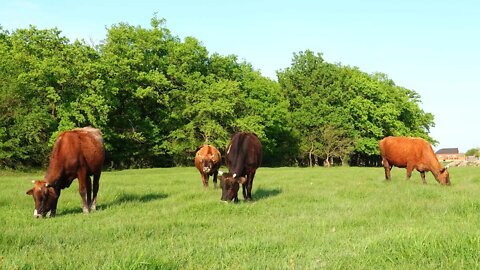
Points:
(446, 154)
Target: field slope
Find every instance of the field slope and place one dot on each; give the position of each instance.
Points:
(302, 218)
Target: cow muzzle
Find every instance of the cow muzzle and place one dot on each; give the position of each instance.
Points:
(35, 214)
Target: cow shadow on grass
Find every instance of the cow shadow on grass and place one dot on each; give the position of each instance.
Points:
(262, 193)
(123, 198)
(135, 198)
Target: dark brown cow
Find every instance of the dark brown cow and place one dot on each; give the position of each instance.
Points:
(244, 155)
(207, 161)
(78, 153)
(412, 153)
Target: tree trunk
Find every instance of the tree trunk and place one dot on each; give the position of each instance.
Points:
(326, 163)
(310, 159)
(310, 153)
(343, 159)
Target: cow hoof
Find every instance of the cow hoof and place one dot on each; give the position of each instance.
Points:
(85, 211)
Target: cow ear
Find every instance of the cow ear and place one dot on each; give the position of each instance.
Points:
(242, 180)
(52, 193)
(30, 192)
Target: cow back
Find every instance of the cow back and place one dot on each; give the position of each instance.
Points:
(92, 149)
(244, 153)
(80, 148)
(402, 150)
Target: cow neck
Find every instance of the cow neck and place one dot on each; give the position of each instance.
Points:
(238, 155)
(436, 168)
(54, 170)
(238, 165)
(53, 173)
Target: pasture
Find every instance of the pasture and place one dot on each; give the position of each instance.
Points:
(301, 218)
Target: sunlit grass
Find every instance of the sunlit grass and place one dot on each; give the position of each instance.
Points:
(302, 218)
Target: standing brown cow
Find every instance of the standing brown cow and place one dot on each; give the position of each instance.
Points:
(411, 153)
(207, 161)
(78, 153)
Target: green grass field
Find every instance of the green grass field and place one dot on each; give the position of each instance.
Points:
(302, 218)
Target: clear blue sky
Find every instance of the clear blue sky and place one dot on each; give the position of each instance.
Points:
(432, 47)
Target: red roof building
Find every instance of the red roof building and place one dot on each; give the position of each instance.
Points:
(447, 154)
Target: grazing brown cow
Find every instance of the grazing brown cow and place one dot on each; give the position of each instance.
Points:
(78, 153)
(207, 161)
(244, 155)
(412, 153)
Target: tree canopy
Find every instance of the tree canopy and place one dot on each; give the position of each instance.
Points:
(157, 98)
(362, 108)
(473, 152)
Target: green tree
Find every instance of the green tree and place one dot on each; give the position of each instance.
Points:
(231, 97)
(157, 98)
(39, 78)
(473, 152)
(335, 144)
(138, 70)
(364, 107)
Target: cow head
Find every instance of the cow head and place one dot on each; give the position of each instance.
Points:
(230, 184)
(207, 163)
(44, 197)
(444, 178)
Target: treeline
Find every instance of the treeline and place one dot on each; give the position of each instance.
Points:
(157, 98)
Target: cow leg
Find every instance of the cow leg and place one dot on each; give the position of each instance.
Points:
(53, 212)
(96, 183)
(88, 184)
(204, 180)
(235, 199)
(244, 188)
(409, 171)
(215, 174)
(422, 174)
(249, 186)
(82, 189)
(388, 168)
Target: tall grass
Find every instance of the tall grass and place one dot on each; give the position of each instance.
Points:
(301, 218)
